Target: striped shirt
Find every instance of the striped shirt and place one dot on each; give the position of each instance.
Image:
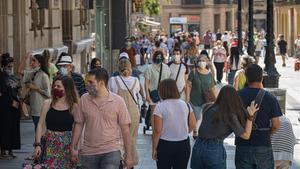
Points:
(283, 140)
(79, 83)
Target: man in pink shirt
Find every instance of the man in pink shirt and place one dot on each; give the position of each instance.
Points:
(104, 117)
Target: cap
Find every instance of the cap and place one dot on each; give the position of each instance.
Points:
(123, 55)
(65, 60)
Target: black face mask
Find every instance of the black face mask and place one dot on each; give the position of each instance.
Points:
(158, 60)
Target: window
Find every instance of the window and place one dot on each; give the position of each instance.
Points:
(192, 2)
(223, 1)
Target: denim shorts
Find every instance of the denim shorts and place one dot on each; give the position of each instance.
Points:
(104, 161)
(208, 154)
(254, 157)
(197, 111)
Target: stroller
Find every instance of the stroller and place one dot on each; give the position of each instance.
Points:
(146, 113)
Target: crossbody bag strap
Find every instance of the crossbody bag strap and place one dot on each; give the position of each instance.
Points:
(188, 113)
(178, 71)
(258, 100)
(129, 90)
(160, 72)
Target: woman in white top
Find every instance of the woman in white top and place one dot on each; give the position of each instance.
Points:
(173, 120)
(219, 57)
(128, 87)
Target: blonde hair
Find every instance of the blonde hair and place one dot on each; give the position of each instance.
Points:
(192, 51)
(125, 67)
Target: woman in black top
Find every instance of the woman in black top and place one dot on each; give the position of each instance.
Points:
(9, 109)
(219, 121)
(57, 115)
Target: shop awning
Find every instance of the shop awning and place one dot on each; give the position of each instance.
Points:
(148, 22)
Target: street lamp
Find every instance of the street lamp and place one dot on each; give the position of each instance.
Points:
(250, 49)
(271, 76)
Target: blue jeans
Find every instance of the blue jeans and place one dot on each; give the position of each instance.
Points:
(197, 111)
(231, 76)
(208, 154)
(104, 161)
(254, 157)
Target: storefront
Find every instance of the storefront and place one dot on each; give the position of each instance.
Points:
(177, 24)
(193, 23)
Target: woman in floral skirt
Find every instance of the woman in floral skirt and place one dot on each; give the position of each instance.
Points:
(57, 115)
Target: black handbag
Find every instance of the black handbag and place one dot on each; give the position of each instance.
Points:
(154, 93)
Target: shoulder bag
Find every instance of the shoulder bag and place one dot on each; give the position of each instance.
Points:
(154, 93)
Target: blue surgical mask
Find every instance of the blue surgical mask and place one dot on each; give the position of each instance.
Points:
(92, 90)
(36, 69)
(158, 60)
(63, 71)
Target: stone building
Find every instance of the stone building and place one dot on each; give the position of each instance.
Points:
(287, 21)
(57, 25)
(198, 15)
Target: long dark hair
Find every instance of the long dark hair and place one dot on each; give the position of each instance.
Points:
(234, 53)
(93, 63)
(229, 103)
(44, 64)
(70, 91)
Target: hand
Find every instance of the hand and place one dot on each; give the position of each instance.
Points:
(148, 99)
(37, 151)
(154, 155)
(128, 163)
(28, 54)
(74, 154)
(15, 104)
(252, 108)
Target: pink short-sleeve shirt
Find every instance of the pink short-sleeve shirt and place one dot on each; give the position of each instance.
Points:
(102, 122)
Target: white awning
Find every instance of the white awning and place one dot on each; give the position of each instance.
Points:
(148, 22)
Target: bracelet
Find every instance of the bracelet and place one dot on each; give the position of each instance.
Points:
(37, 144)
(250, 118)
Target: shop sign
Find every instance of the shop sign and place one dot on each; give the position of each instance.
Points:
(178, 20)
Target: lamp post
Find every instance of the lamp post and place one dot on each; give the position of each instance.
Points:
(239, 18)
(271, 76)
(250, 49)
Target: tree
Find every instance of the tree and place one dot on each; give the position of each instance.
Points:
(152, 7)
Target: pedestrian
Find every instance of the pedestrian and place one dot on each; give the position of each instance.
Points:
(65, 66)
(233, 63)
(210, 65)
(259, 46)
(128, 87)
(219, 57)
(52, 69)
(220, 119)
(207, 39)
(37, 81)
(282, 44)
(104, 120)
(129, 50)
(200, 81)
(179, 72)
(95, 63)
(171, 143)
(57, 115)
(191, 55)
(240, 77)
(9, 113)
(297, 48)
(283, 142)
(257, 151)
(154, 74)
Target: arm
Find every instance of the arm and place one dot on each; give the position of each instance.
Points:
(252, 109)
(192, 122)
(275, 124)
(157, 128)
(23, 63)
(188, 90)
(236, 82)
(147, 90)
(127, 144)
(41, 126)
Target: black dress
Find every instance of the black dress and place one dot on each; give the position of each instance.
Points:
(9, 116)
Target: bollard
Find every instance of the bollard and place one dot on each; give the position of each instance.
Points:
(280, 95)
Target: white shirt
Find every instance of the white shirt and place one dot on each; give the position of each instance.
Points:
(181, 77)
(130, 81)
(174, 114)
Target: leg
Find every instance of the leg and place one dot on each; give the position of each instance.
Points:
(283, 59)
(110, 160)
(282, 164)
(134, 127)
(90, 161)
(181, 159)
(164, 155)
(243, 158)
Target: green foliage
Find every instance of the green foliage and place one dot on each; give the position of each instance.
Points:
(152, 7)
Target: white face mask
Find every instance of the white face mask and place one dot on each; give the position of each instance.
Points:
(63, 71)
(177, 58)
(202, 65)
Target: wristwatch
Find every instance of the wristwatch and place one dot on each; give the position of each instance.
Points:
(36, 144)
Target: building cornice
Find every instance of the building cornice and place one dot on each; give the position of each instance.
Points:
(178, 6)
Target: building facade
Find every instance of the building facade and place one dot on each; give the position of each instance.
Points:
(287, 21)
(57, 25)
(198, 15)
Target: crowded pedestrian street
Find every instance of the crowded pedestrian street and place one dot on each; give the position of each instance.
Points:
(288, 80)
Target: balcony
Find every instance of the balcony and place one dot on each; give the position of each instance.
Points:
(224, 1)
